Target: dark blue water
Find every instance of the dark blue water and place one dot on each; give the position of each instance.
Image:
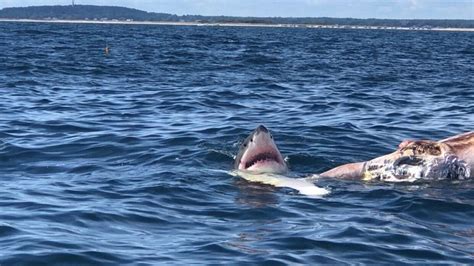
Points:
(121, 158)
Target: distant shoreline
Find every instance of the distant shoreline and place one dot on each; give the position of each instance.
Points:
(314, 26)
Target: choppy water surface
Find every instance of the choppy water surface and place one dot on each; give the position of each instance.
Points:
(121, 159)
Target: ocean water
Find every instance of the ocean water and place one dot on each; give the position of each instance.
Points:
(123, 159)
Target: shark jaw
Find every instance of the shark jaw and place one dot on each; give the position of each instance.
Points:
(259, 154)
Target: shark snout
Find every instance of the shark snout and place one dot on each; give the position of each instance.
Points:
(260, 129)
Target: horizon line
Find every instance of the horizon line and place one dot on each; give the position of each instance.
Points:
(365, 18)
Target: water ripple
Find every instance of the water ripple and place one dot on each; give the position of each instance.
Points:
(122, 158)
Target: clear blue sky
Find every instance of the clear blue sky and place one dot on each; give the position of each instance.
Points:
(404, 9)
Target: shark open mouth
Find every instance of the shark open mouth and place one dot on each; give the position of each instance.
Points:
(262, 158)
(259, 153)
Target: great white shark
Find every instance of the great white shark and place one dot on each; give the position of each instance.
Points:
(259, 160)
(259, 154)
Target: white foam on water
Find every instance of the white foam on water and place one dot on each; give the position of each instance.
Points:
(302, 185)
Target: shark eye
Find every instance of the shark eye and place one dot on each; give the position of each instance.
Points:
(271, 136)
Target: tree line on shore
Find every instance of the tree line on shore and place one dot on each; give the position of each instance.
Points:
(91, 12)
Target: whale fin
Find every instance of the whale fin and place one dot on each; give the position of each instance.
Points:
(302, 185)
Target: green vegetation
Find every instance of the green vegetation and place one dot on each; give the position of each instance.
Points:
(90, 12)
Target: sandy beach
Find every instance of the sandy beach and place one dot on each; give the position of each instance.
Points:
(130, 22)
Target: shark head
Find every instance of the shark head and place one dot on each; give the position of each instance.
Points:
(259, 153)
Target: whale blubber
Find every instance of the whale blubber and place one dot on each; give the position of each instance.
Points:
(422, 147)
